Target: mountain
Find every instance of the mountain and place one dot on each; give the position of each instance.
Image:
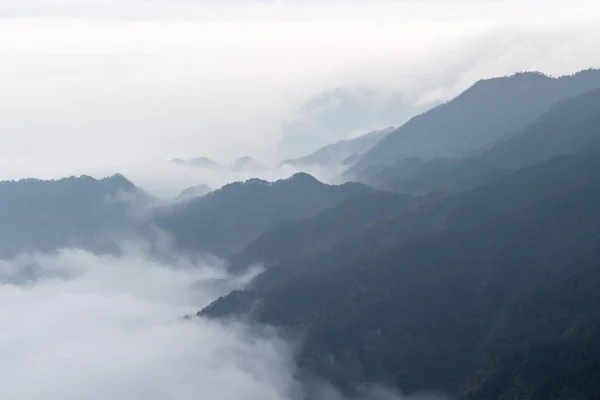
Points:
(571, 126)
(199, 162)
(343, 152)
(341, 113)
(487, 112)
(194, 191)
(75, 211)
(246, 164)
(227, 219)
(318, 233)
(491, 293)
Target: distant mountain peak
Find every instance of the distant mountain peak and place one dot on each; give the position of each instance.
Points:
(342, 152)
(240, 184)
(489, 111)
(301, 178)
(532, 77)
(520, 78)
(340, 113)
(247, 163)
(198, 162)
(194, 191)
(257, 181)
(119, 179)
(302, 175)
(115, 180)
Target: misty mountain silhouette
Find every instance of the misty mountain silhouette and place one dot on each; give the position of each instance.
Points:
(343, 152)
(293, 238)
(226, 219)
(334, 115)
(199, 162)
(194, 191)
(246, 163)
(445, 297)
(480, 281)
(488, 293)
(75, 211)
(569, 127)
(489, 111)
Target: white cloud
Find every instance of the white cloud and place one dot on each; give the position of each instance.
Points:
(90, 86)
(98, 327)
(76, 325)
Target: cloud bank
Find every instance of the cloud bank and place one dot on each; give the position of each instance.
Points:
(90, 86)
(77, 325)
(82, 326)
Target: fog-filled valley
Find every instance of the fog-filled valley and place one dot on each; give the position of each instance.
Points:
(392, 200)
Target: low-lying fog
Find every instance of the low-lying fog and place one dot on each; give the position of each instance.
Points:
(81, 326)
(76, 325)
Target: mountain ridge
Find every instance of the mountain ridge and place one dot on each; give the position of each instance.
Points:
(490, 292)
(372, 315)
(44, 215)
(198, 162)
(224, 220)
(568, 127)
(488, 111)
(341, 152)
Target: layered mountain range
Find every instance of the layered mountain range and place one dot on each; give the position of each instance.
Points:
(465, 262)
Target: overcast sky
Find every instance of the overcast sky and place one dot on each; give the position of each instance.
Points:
(92, 83)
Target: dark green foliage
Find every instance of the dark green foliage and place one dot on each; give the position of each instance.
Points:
(227, 219)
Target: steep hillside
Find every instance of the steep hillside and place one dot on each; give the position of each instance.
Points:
(482, 115)
(227, 219)
(572, 125)
(76, 211)
(199, 162)
(290, 239)
(336, 114)
(484, 294)
(343, 152)
(194, 191)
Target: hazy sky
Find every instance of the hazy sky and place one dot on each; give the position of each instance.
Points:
(108, 86)
(89, 83)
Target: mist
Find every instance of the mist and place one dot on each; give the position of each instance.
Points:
(103, 87)
(81, 325)
(78, 325)
(125, 86)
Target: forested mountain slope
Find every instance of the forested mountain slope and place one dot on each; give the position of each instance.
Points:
(341, 152)
(487, 112)
(572, 125)
(488, 293)
(225, 220)
(76, 211)
(318, 233)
